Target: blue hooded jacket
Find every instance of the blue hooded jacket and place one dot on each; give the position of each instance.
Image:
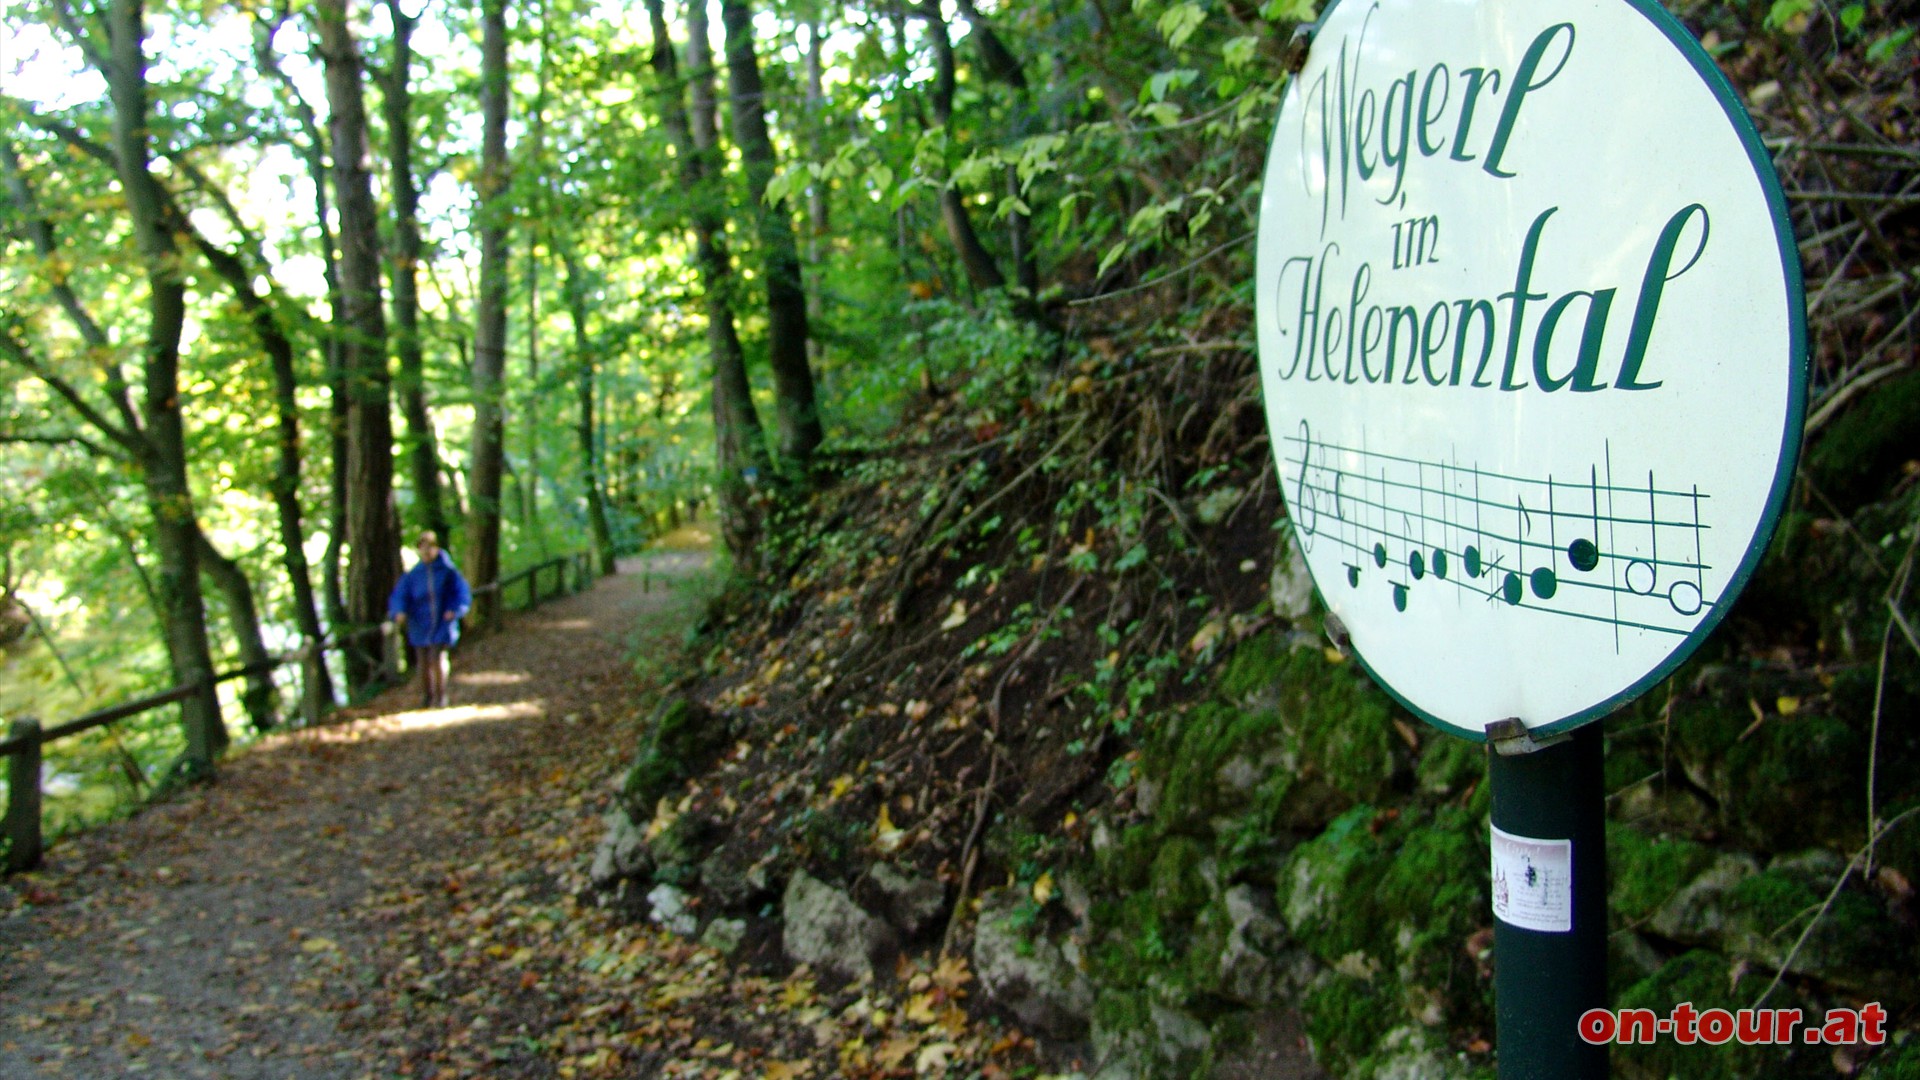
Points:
(424, 595)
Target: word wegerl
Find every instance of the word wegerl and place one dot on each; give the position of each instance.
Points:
(1367, 129)
(1353, 338)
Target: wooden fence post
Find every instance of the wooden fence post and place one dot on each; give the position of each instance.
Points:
(390, 651)
(310, 666)
(23, 800)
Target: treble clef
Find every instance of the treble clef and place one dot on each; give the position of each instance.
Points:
(1306, 505)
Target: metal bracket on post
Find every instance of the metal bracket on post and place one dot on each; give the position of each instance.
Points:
(1511, 737)
(1295, 56)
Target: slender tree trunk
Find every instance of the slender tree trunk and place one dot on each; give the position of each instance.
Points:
(373, 532)
(243, 618)
(819, 221)
(539, 230)
(422, 446)
(163, 451)
(314, 153)
(490, 319)
(740, 443)
(974, 258)
(576, 291)
(796, 413)
(286, 474)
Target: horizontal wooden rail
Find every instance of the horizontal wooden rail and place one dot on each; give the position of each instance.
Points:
(24, 741)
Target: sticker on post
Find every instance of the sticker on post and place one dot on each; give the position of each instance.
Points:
(1533, 882)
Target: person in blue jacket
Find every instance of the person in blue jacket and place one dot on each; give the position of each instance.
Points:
(429, 602)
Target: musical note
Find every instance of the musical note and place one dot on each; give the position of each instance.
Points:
(1628, 555)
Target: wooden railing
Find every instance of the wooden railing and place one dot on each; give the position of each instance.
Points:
(26, 739)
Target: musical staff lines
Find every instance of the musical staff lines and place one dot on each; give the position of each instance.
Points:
(1612, 548)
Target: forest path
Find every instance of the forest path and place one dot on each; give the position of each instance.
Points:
(380, 896)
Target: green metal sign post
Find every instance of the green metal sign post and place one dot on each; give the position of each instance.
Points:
(1544, 980)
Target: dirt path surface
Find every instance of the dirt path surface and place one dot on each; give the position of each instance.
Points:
(377, 897)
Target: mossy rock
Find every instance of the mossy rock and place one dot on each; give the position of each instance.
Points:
(1898, 1062)
(1784, 782)
(1180, 887)
(1451, 765)
(1854, 944)
(1705, 979)
(681, 736)
(1861, 453)
(1345, 1020)
(1391, 901)
(1294, 739)
(1219, 761)
(1797, 781)
(1644, 872)
(1127, 863)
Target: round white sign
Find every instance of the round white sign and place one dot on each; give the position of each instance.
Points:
(1532, 339)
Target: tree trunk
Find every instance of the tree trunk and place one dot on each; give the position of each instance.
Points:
(796, 414)
(243, 618)
(373, 532)
(422, 447)
(576, 290)
(740, 444)
(819, 220)
(163, 457)
(974, 258)
(490, 319)
(286, 474)
(314, 154)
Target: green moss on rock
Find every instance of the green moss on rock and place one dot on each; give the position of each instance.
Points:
(1644, 872)
(680, 736)
(1705, 979)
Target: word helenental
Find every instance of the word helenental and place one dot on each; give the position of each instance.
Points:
(1384, 343)
(1343, 111)
(1749, 1027)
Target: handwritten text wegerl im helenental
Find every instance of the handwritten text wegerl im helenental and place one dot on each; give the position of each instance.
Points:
(1362, 132)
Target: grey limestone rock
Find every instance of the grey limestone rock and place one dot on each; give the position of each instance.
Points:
(825, 928)
(622, 854)
(1029, 975)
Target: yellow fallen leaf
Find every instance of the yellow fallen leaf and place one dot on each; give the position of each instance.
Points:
(1043, 888)
(957, 617)
(1787, 705)
(894, 1052)
(841, 785)
(317, 944)
(1207, 635)
(933, 1058)
(950, 974)
(886, 836)
(921, 1009)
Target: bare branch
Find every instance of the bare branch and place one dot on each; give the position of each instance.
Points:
(16, 350)
(66, 439)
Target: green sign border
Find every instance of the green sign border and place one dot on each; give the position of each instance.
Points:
(1790, 437)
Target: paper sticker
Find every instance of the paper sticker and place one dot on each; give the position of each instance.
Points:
(1533, 882)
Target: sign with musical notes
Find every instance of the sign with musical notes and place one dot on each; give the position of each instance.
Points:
(1532, 338)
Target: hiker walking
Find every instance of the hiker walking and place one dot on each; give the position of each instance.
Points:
(429, 602)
